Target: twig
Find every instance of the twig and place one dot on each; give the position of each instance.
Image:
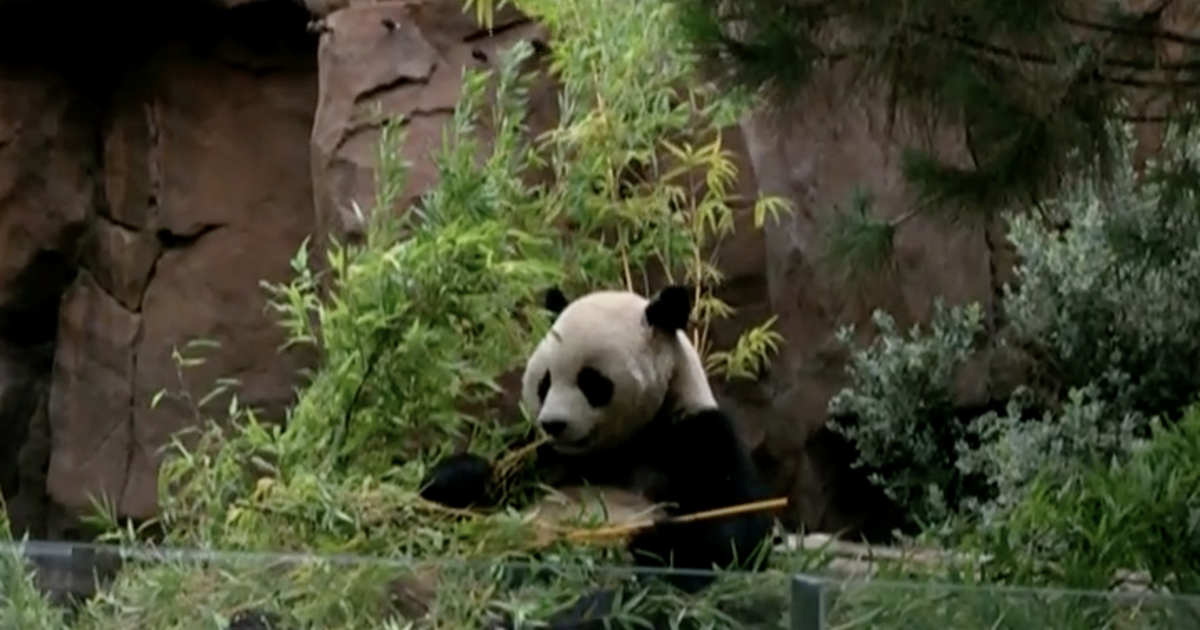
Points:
(509, 462)
(352, 406)
(442, 509)
(627, 272)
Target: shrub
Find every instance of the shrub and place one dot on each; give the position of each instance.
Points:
(1107, 303)
(1018, 446)
(1092, 521)
(899, 412)
(1102, 311)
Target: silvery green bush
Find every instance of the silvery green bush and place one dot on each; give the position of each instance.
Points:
(907, 442)
(1111, 302)
(1103, 310)
(1018, 446)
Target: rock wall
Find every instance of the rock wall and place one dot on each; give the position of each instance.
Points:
(173, 155)
(149, 179)
(825, 150)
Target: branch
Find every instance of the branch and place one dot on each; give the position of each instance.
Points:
(1098, 77)
(1029, 57)
(1159, 33)
(823, 16)
(1043, 59)
(1142, 118)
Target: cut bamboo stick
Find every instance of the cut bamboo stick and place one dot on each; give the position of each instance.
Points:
(616, 531)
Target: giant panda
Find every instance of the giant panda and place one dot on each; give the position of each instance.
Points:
(622, 396)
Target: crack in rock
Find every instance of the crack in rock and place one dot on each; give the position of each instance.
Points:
(176, 240)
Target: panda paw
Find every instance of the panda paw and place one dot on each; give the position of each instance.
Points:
(652, 546)
(458, 481)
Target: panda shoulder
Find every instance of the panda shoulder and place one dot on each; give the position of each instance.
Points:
(707, 434)
(704, 452)
(710, 423)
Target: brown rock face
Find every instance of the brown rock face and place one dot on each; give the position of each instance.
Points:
(826, 149)
(384, 59)
(46, 193)
(168, 176)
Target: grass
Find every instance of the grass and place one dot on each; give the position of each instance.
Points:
(179, 589)
(883, 604)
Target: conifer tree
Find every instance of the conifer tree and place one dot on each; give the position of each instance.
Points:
(1035, 85)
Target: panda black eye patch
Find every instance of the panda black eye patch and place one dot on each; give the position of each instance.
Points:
(543, 387)
(596, 387)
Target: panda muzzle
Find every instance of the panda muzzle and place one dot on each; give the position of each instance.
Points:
(559, 431)
(555, 428)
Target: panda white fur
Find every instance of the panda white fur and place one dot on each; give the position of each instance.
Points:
(622, 393)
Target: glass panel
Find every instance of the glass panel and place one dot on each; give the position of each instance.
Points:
(46, 586)
(881, 605)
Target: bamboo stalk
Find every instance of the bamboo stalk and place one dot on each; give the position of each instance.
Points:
(509, 461)
(616, 531)
(508, 466)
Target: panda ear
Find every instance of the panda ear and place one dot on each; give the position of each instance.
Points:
(671, 309)
(555, 301)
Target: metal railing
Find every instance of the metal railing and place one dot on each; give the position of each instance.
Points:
(70, 572)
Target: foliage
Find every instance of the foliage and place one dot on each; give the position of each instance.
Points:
(1018, 446)
(418, 328)
(416, 325)
(1096, 542)
(899, 413)
(22, 604)
(885, 604)
(1107, 303)
(626, 165)
(1085, 522)
(1101, 313)
(1119, 533)
(1034, 86)
(636, 179)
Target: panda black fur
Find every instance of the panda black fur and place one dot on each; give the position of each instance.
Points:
(618, 386)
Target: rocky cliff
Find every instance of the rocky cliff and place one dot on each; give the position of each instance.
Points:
(157, 160)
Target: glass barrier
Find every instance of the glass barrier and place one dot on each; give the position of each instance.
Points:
(884, 605)
(66, 586)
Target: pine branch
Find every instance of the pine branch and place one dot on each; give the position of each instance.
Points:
(779, 42)
(1035, 89)
(1049, 60)
(1154, 33)
(854, 246)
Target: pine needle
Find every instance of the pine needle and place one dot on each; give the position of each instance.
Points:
(856, 246)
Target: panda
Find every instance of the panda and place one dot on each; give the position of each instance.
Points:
(622, 396)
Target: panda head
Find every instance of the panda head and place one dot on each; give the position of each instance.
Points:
(609, 363)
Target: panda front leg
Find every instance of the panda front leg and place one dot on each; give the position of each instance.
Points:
(459, 481)
(712, 471)
(692, 550)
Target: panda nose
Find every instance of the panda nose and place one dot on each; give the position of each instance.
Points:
(554, 428)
